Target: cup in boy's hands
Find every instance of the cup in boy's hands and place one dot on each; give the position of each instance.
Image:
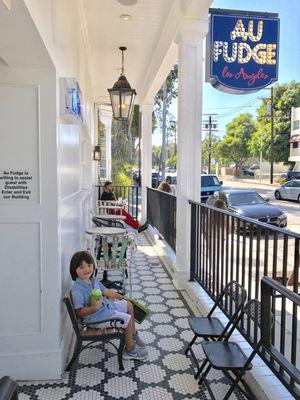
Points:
(95, 294)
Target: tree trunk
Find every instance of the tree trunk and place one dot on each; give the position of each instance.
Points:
(164, 132)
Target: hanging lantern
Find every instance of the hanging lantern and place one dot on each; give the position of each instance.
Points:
(96, 153)
(122, 96)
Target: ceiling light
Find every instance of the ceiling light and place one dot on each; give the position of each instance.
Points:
(121, 95)
(127, 2)
(126, 17)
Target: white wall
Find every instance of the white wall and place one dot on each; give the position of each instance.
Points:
(29, 291)
(39, 235)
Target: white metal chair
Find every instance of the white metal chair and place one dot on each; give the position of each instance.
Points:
(114, 253)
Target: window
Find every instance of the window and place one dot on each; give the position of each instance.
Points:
(236, 199)
(295, 145)
(209, 181)
(289, 184)
(296, 124)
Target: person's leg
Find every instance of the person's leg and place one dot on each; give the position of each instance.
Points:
(125, 306)
(136, 338)
(129, 337)
(129, 219)
(130, 312)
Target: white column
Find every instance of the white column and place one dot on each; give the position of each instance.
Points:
(190, 81)
(146, 154)
(106, 119)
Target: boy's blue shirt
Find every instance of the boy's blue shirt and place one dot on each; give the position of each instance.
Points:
(81, 295)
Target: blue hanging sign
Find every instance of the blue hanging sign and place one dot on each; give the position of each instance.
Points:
(76, 105)
(243, 51)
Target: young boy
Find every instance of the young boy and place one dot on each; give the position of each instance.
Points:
(82, 268)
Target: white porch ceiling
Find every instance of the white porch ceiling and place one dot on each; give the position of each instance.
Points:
(106, 32)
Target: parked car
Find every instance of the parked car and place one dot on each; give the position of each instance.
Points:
(156, 179)
(171, 178)
(209, 184)
(248, 203)
(289, 190)
(248, 172)
(254, 167)
(292, 175)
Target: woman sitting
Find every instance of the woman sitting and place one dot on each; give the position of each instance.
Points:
(165, 187)
(109, 195)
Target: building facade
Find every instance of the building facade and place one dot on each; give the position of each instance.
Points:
(295, 137)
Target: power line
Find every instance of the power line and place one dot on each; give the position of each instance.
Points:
(237, 110)
(235, 107)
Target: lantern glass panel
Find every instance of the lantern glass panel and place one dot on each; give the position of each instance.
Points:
(115, 102)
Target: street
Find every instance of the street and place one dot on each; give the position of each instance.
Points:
(291, 208)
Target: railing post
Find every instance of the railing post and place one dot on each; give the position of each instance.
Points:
(137, 202)
(266, 293)
(193, 241)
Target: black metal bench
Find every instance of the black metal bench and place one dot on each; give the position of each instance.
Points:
(8, 389)
(86, 334)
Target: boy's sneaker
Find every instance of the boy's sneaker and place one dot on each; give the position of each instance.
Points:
(138, 341)
(136, 353)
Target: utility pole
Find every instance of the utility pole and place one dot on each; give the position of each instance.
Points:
(210, 126)
(272, 137)
(270, 114)
(260, 157)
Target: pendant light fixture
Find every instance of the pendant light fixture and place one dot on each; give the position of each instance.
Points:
(121, 95)
(97, 153)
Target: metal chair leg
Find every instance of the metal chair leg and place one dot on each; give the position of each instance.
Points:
(76, 353)
(120, 353)
(190, 345)
(200, 369)
(233, 386)
(203, 376)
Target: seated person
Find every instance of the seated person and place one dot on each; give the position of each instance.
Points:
(164, 187)
(109, 195)
(82, 269)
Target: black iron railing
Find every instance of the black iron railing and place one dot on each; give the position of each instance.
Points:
(129, 193)
(226, 248)
(281, 342)
(161, 214)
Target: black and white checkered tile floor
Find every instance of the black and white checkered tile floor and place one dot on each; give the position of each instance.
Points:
(166, 375)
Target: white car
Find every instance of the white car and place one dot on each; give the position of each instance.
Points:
(289, 191)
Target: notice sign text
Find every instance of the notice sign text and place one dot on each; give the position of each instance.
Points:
(16, 185)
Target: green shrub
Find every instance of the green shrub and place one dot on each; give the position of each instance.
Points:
(121, 179)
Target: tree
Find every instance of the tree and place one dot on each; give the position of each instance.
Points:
(234, 146)
(121, 146)
(162, 102)
(156, 155)
(286, 96)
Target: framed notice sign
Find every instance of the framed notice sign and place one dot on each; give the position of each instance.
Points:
(18, 185)
(243, 49)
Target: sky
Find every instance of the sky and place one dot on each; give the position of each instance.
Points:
(228, 106)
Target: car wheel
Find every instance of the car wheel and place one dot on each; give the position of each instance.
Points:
(278, 195)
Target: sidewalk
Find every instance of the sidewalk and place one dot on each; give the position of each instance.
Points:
(264, 182)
